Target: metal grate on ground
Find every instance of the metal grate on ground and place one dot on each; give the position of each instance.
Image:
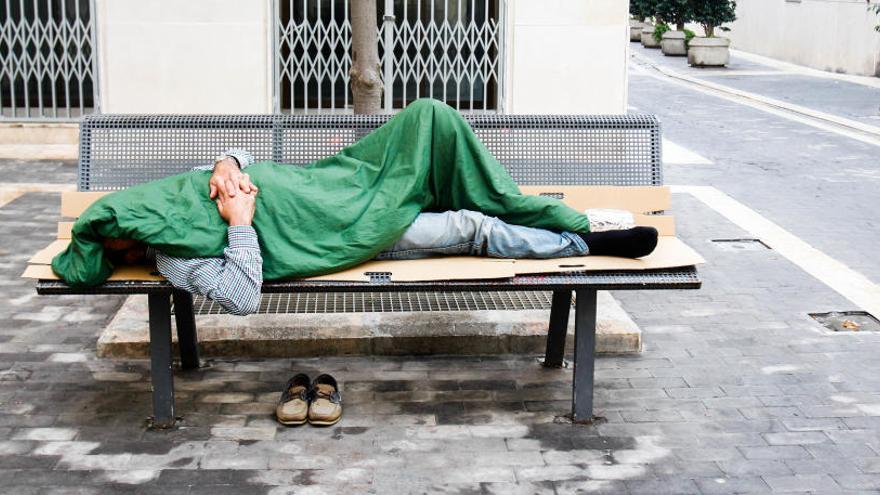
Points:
(388, 302)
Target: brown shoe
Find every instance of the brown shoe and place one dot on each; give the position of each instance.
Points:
(326, 406)
(293, 407)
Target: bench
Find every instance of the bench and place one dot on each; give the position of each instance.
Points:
(117, 151)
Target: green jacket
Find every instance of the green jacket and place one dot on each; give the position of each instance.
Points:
(330, 215)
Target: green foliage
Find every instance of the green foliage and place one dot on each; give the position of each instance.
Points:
(641, 9)
(688, 36)
(876, 9)
(659, 29)
(711, 14)
(675, 12)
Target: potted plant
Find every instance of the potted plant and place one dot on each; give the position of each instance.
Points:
(675, 13)
(649, 8)
(638, 10)
(875, 9)
(710, 50)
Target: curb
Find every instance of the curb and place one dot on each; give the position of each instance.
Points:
(305, 335)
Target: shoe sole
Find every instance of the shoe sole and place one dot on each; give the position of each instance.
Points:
(325, 423)
(292, 423)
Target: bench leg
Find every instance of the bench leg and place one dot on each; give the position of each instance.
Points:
(160, 360)
(584, 355)
(554, 357)
(187, 335)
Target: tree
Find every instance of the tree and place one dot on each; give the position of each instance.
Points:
(677, 12)
(641, 9)
(712, 14)
(366, 79)
(876, 9)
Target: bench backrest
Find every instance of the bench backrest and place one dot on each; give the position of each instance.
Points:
(118, 151)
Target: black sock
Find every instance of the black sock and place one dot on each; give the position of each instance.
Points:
(630, 243)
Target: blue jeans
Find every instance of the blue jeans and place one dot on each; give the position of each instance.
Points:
(467, 232)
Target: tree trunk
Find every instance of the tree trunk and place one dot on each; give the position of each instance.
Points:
(366, 79)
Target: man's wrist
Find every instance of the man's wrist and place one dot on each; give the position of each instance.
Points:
(239, 222)
(227, 162)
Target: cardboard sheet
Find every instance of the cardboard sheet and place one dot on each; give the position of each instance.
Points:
(73, 203)
(45, 255)
(64, 229)
(637, 199)
(670, 252)
(440, 268)
(44, 272)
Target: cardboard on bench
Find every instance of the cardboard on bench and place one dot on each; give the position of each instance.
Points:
(670, 252)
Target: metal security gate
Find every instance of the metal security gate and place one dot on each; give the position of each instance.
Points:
(47, 59)
(451, 50)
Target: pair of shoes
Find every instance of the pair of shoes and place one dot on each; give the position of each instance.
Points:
(318, 402)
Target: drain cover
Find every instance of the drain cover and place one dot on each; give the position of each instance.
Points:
(740, 244)
(848, 321)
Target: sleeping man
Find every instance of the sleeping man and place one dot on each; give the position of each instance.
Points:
(421, 185)
(234, 280)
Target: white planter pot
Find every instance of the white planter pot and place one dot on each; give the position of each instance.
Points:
(673, 44)
(635, 30)
(648, 37)
(709, 52)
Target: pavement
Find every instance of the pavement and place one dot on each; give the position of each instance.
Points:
(737, 389)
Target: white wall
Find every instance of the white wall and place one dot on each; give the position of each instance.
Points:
(215, 56)
(566, 56)
(832, 35)
(184, 56)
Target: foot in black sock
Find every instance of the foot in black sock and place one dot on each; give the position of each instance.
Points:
(630, 243)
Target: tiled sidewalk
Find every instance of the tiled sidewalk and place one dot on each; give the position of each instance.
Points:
(737, 391)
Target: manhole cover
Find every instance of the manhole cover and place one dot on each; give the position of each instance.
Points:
(740, 244)
(847, 321)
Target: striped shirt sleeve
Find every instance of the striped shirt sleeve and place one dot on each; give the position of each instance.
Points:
(244, 158)
(233, 281)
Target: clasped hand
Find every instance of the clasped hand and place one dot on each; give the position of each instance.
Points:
(234, 193)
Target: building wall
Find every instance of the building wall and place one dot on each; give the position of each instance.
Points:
(215, 56)
(567, 56)
(832, 35)
(193, 56)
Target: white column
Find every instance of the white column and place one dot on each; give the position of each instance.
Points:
(192, 56)
(566, 56)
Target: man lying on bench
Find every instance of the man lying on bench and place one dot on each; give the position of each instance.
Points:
(234, 280)
(420, 185)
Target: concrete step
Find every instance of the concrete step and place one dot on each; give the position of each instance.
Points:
(39, 141)
(407, 333)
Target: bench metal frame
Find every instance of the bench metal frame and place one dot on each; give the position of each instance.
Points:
(117, 151)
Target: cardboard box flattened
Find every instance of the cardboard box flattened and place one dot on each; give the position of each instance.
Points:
(670, 252)
(440, 268)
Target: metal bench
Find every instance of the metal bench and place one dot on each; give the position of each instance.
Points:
(118, 151)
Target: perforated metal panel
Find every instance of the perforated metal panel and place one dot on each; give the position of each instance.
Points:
(388, 302)
(118, 151)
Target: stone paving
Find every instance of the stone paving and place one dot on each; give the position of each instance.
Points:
(841, 98)
(814, 183)
(737, 390)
